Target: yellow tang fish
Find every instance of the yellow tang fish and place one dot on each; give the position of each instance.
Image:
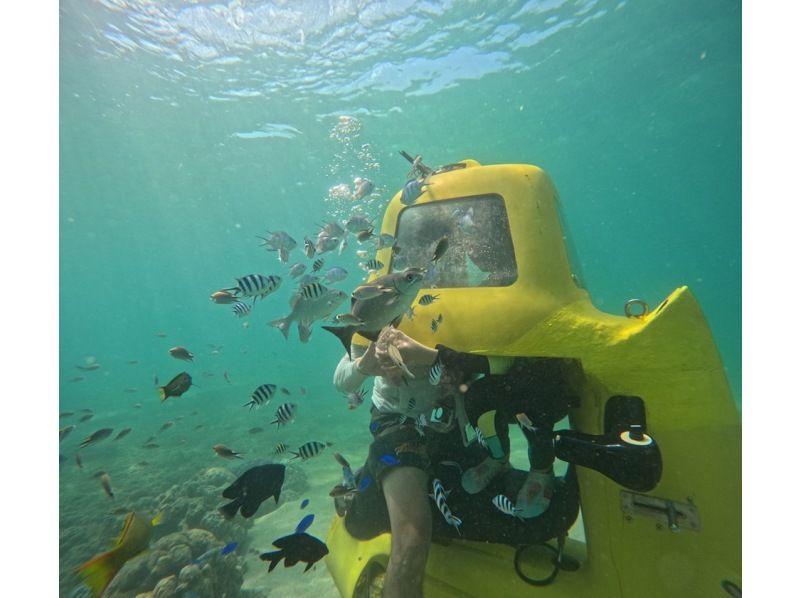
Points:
(134, 538)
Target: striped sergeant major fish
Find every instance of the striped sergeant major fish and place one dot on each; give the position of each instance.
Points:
(317, 265)
(256, 285)
(308, 248)
(435, 373)
(261, 396)
(371, 265)
(280, 448)
(285, 414)
(503, 504)
(310, 449)
(427, 299)
(241, 309)
(412, 190)
(479, 437)
(312, 290)
(439, 496)
(355, 398)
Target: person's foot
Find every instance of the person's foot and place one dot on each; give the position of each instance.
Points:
(534, 497)
(477, 478)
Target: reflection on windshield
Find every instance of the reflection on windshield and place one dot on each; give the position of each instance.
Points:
(479, 252)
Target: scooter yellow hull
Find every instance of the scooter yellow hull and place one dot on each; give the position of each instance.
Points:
(681, 539)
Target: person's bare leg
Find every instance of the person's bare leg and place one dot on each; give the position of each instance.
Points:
(405, 489)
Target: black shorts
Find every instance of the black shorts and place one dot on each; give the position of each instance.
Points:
(397, 442)
(366, 515)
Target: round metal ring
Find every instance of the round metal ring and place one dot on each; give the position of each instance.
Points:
(626, 437)
(641, 303)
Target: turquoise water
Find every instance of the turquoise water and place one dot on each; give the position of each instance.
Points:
(189, 128)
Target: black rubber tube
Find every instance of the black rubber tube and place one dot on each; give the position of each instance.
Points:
(529, 580)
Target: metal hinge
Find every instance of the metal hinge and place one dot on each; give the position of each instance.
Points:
(674, 516)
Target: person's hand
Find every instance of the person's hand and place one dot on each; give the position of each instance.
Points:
(376, 362)
(388, 368)
(412, 352)
(368, 364)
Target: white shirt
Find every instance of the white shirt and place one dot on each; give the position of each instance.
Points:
(416, 397)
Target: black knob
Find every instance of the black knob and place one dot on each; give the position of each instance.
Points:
(636, 432)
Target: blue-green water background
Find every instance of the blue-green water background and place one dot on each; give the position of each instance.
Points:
(633, 108)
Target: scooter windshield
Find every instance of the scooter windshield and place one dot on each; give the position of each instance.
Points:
(478, 250)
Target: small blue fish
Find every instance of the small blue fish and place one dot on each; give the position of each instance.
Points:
(385, 240)
(297, 270)
(214, 552)
(335, 274)
(304, 504)
(362, 187)
(390, 460)
(304, 524)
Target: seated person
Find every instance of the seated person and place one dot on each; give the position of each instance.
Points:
(402, 452)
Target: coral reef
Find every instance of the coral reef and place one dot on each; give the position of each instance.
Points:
(184, 555)
(169, 569)
(193, 527)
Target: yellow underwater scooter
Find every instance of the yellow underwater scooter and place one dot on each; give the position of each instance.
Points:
(654, 445)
